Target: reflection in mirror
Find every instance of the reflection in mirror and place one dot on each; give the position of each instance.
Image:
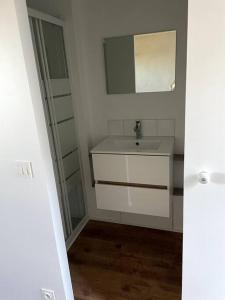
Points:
(140, 63)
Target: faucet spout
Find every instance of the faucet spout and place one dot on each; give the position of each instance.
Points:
(137, 130)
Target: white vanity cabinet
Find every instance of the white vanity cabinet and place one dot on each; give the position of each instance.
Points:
(133, 183)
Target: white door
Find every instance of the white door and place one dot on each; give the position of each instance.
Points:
(204, 204)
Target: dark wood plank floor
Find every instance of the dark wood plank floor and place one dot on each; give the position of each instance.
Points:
(119, 262)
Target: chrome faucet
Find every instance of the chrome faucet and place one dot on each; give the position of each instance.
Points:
(137, 130)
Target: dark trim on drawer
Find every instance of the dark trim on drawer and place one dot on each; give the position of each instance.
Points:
(137, 185)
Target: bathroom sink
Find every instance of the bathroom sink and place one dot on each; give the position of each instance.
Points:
(136, 145)
(130, 145)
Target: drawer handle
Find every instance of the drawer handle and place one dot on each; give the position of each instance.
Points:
(137, 185)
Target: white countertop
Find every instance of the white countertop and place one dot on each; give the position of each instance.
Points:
(159, 145)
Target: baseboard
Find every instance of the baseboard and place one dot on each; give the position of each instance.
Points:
(178, 230)
(136, 224)
(76, 232)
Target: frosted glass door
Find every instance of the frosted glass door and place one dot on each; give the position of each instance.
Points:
(51, 56)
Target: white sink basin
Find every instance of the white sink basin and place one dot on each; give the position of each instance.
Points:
(133, 145)
(129, 145)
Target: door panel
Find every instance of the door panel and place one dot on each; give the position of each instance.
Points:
(57, 99)
(55, 50)
(63, 108)
(204, 204)
(60, 87)
(71, 163)
(67, 137)
(75, 197)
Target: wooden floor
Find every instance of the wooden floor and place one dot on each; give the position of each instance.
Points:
(119, 262)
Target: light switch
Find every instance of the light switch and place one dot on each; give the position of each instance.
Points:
(48, 294)
(24, 169)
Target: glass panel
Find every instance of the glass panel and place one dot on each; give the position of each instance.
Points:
(71, 163)
(67, 136)
(63, 108)
(60, 87)
(55, 50)
(75, 196)
(38, 51)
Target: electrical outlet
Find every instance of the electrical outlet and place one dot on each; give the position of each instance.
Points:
(48, 294)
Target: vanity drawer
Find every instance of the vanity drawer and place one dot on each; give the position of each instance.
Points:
(143, 169)
(110, 167)
(136, 200)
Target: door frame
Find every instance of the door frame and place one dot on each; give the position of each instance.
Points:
(44, 17)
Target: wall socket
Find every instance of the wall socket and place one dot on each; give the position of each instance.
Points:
(48, 294)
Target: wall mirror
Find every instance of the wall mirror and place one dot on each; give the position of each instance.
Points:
(140, 63)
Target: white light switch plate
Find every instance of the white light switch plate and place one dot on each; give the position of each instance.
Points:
(48, 294)
(24, 169)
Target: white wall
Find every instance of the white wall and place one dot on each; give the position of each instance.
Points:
(99, 19)
(33, 253)
(204, 205)
(87, 23)
(95, 20)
